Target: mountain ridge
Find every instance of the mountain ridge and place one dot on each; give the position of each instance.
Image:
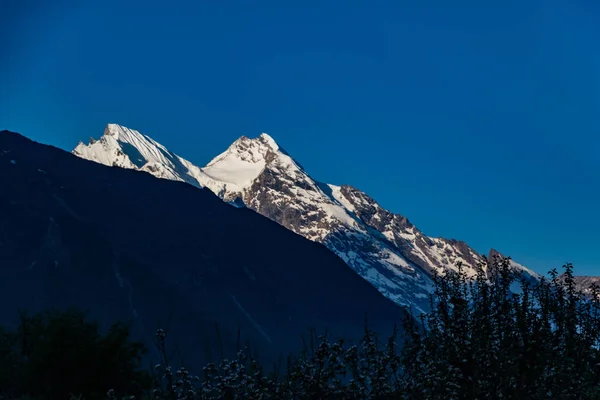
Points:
(385, 248)
(125, 246)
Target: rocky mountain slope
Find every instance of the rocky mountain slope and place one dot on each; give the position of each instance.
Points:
(584, 283)
(382, 247)
(125, 245)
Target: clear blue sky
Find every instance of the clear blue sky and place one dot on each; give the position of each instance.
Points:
(478, 120)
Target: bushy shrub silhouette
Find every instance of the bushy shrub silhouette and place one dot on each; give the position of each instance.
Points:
(55, 354)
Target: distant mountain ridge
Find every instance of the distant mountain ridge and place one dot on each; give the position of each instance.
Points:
(584, 283)
(382, 247)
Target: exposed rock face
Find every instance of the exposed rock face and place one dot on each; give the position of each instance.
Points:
(585, 283)
(431, 254)
(285, 193)
(382, 247)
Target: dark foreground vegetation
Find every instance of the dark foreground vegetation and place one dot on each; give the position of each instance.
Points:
(492, 336)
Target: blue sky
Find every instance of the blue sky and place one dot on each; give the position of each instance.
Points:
(478, 120)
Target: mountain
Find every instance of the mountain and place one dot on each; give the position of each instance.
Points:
(126, 148)
(584, 283)
(382, 247)
(125, 245)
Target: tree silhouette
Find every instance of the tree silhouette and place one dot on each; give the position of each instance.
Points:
(54, 354)
(498, 335)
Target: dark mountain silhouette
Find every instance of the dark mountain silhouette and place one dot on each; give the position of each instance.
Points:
(125, 245)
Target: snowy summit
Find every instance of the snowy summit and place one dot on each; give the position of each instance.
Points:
(128, 148)
(384, 248)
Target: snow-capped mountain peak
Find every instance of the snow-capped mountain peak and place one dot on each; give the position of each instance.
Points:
(250, 150)
(234, 171)
(269, 141)
(383, 247)
(128, 148)
(116, 129)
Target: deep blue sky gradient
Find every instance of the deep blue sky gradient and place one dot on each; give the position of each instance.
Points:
(478, 120)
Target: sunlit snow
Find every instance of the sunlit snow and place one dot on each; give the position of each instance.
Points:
(328, 214)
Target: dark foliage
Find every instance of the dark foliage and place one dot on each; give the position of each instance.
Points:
(495, 335)
(53, 355)
(498, 336)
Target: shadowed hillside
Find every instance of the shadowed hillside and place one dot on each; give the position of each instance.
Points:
(126, 245)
